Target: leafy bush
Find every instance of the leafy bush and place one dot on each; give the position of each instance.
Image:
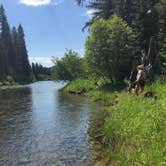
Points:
(70, 67)
(111, 48)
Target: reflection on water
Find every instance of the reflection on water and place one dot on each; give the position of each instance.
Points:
(41, 126)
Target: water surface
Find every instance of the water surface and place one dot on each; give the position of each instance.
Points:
(40, 126)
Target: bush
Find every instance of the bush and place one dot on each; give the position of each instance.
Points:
(70, 67)
(111, 48)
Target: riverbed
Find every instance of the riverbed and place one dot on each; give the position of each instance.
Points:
(41, 126)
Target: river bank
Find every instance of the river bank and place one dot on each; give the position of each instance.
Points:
(132, 131)
(8, 84)
(13, 85)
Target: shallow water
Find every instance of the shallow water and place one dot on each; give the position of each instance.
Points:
(40, 126)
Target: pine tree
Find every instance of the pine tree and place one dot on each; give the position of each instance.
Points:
(15, 45)
(7, 42)
(13, 53)
(2, 60)
(24, 68)
(139, 14)
(161, 8)
(4, 30)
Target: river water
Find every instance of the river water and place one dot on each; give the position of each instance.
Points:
(41, 126)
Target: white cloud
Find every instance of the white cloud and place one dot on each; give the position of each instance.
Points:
(90, 13)
(45, 61)
(40, 2)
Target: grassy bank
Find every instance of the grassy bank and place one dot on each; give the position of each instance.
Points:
(134, 132)
(8, 83)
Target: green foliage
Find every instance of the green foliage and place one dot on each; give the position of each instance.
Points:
(70, 67)
(96, 89)
(40, 72)
(161, 8)
(6, 44)
(102, 96)
(162, 53)
(136, 129)
(111, 49)
(13, 54)
(80, 85)
(134, 133)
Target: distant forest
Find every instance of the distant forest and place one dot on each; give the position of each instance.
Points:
(14, 63)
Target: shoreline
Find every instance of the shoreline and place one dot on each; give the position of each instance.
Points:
(13, 87)
(16, 85)
(123, 134)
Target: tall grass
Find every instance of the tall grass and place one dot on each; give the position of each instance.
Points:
(80, 85)
(137, 129)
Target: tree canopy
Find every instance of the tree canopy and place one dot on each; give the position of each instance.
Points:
(111, 48)
(70, 67)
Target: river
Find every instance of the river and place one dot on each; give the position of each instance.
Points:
(41, 126)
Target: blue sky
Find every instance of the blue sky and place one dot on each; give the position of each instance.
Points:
(50, 26)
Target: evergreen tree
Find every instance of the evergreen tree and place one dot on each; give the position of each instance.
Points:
(2, 60)
(39, 72)
(139, 14)
(15, 45)
(24, 68)
(13, 53)
(6, 41)
(161, 8)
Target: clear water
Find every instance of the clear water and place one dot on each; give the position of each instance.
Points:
(40, 126)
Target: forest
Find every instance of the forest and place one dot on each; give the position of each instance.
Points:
(122, 34)
(14, 63)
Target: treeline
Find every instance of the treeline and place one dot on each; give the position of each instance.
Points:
(14, 63)
(122, 34)
(40, 73)
(70, 67)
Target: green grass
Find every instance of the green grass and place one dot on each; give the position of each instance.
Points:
(80, 85)
(94, 89)
(135, 130)
(8, 83)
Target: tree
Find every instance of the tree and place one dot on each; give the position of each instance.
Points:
(101, 9)
(140, 15)
(40, 72)
(111, 48)
(15, 41)
(14, 61)
(2, 60)
(161, 8)
(6, 41)
(23, 66)
(70, 67)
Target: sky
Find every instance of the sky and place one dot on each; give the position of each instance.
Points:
(50, 26)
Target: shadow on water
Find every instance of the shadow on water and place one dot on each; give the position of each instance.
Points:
(15, 124)
(41, 126)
